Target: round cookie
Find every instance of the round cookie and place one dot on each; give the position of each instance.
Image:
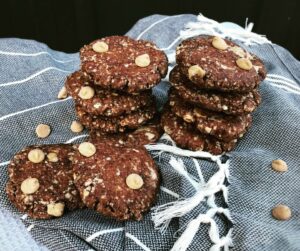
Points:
(119, 182)
(222, 126)
(186, 136)
(115, 124)
(226, 68)
(144, 135)
(41, 181)
(104, 102)
(229, 103)
(123, 63)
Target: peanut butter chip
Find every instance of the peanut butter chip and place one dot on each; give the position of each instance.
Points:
(87, 149)
(56, 209)
(244, 63)
(196, 70)
(30, 185)
(134, 181)
(76, 126)
(279, 165)
(150, 136)
(62, 93)
(100, 46)
(281, 212)
(52, 157)
(142, 60)
(219, 43)
(86, 92)
(36, 155)
(43, 131)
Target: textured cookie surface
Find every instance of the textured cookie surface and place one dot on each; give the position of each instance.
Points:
(118, 67)
(105, 102)
(229, 103)
(222, 126)
(144, 135)
(116, 124)
(220, 70)
(103, 180)
(186, 136)
(38, 189)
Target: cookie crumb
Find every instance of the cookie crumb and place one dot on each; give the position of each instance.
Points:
(281, 212)
(43, 130)
(56, 209)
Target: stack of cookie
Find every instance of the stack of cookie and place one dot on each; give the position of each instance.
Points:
(214, 91)
(112, 88)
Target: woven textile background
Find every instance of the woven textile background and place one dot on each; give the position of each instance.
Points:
(31, 75)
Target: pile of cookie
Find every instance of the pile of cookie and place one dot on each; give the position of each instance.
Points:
(111, 172)
(112, 89)
(214, 91)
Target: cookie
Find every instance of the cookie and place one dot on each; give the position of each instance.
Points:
(104, 102)
(122, 63)
(41, 181)
(187, 136)
(119, 182)
(222, 126)
(116, 124)
(144, 135)
(229, 103)
(219, 64)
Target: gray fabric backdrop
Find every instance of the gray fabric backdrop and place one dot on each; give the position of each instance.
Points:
(31, 76)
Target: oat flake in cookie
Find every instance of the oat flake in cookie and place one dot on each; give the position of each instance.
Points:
(229, 68)
(118, 182)
(41, 181)
(116, 124)
(188, 137)
(104, 102)
(222, 126)
(229, 103)
(124, 64)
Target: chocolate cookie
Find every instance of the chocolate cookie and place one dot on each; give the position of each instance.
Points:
(41, 181)
(219, 64)
(186, 136)
(118, 182)
(229, 103)
(144, 135)
(222, 126)
(122, 63)
(116, 124)
(98, 101)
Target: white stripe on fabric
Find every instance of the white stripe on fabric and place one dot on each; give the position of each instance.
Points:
(107, 231)
(24, 216)
(33, 108)
(281, 77)
(30, 227)
(8, 53)
(33, 76)
(137, 241)
(172, 44)
(4, 163)
(283, 82)
(155, 23)
(168, 191)
(77, 137)
(285, 88)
